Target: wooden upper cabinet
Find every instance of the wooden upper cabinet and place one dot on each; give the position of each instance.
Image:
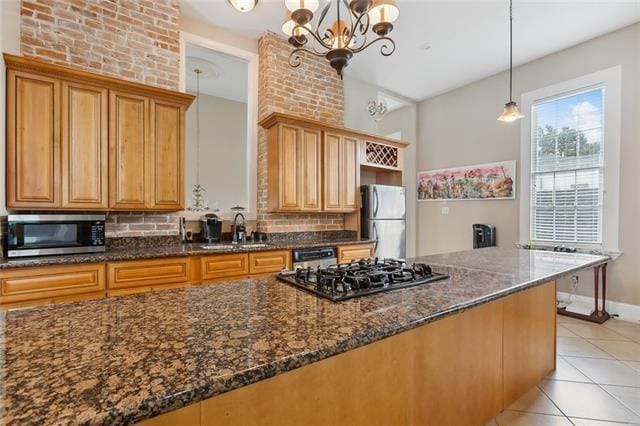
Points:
(167, 154)
(129, 152)
(85, 151)
(332, 172)
(290, 157)
(295, 169)
(311, 170)
(33, 141)
(341, 173)
(350, 174)
(78, 140)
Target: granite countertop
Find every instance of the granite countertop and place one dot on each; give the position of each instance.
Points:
(174, 250)
(120, 360)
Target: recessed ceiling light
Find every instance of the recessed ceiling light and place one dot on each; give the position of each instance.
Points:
(425, 46)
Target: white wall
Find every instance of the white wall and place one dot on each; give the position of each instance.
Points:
(223, 152)
(9, 43)
(356, 95)
(460, 127)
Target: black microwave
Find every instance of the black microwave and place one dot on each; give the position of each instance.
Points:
(49, 234)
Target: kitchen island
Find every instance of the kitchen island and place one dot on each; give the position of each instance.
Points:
(259, 350)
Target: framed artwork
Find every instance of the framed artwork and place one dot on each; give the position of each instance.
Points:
(492, 181)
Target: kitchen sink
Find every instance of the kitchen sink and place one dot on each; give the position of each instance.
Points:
(218, 246)
(233, 246)
(255, 245)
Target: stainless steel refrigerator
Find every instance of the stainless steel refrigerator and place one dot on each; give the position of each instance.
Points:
(383, 219)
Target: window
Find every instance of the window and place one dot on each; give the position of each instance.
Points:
(570, 161)
(567, 168)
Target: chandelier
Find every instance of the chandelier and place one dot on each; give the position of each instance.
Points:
(340, 39)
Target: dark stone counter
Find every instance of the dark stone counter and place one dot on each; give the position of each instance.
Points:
(120, 360)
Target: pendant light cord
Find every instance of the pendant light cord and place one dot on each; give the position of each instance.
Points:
(510, 50)
(197, 71)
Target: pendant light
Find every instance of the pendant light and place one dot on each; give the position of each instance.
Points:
(243, 5)
(199, 201)
(510, 112)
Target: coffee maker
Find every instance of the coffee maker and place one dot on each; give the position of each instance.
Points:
(211, 226)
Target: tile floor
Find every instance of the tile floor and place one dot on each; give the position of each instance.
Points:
(596, 383)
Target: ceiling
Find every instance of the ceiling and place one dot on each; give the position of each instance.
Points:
(468, 40)
(223, 76)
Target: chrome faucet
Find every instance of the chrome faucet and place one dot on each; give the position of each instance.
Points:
(239, 232)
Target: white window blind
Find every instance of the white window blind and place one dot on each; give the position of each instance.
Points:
(567, 168)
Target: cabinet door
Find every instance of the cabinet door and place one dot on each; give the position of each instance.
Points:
(332, 173)
(224, 266)
(167, 153)
(289, 168)
(350, 174)
(311, 170)
(269, 261)
(33, 141)
(156, 272)
(84, 146)
(129, 156)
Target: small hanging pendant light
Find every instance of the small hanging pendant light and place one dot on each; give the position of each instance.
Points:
(510, 112)
(199, 200)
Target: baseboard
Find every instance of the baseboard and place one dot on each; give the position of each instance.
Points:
(624, 311)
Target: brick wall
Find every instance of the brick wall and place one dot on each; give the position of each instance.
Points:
(312, 90)
(134, 40)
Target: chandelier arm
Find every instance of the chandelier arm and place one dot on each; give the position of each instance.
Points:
(387, 48)
(313, 34)
(354, 27)
(294, 56)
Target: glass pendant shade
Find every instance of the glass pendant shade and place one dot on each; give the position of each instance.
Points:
(289, 27)
(383, 11)
(243, 5)
(294, 5)
(510, 113)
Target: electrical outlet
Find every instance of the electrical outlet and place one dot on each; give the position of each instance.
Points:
(445, 210)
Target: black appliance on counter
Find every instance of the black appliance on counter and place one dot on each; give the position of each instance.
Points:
(211, 228)
(49, 234)
(484, 236)
(361, 278)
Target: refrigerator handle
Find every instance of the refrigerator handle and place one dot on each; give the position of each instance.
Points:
(375, 237)
(375, 202)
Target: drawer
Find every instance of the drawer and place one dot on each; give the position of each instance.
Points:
(348, 254)
(141, 273)
(224, 265)
(269, 261)
(51, 282)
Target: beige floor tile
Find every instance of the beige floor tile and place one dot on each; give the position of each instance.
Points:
(594, 331)
(577, 346)
(628, 329)
(518, 418)
(588, 422)
(563, 331)
(561, 319)
(566, 371)
(627, 351)
(630, 397)
(535, 401)
(492, 423)
(587, 401)
(606, 371)
(633, 364)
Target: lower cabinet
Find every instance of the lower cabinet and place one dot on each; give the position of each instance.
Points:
(147, 275)
(224, 266)
(51, 283)
(269, 262)
(356, 252)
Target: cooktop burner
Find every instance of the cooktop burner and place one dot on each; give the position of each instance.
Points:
(361, 278)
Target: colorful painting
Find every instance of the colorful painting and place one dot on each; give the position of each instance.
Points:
(492, 181)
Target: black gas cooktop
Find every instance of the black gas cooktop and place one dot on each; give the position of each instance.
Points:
(361, 278)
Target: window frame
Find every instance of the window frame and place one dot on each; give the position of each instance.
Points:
(610, 79)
